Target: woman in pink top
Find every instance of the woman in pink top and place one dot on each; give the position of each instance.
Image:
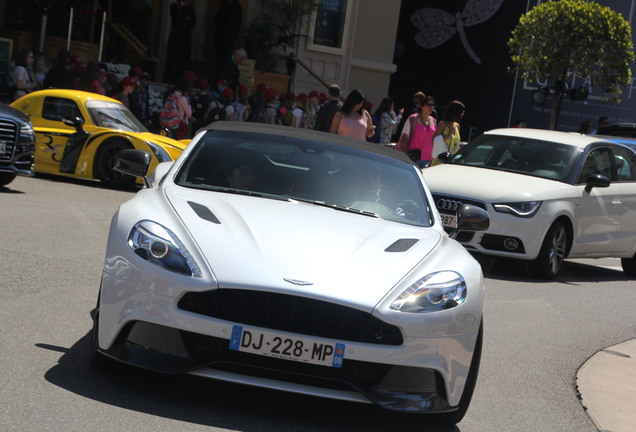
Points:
(352, 120)
(418, 133)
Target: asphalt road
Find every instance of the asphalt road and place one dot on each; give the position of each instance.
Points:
(52, 242)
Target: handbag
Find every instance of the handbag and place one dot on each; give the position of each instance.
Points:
(415, 154)
(439, 146)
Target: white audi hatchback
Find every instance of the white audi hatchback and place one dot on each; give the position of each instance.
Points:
(550, 195)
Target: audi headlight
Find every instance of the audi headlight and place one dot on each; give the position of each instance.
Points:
(26, 135)
(158, 245)
(434, 292)
(159, 152)
(525, 209)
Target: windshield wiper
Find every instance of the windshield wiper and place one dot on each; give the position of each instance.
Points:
(337, 207)
(243, 192)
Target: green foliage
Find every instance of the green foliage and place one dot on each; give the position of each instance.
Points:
(560, 38)
(277, 29)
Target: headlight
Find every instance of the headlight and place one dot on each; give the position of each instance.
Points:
(525, 209)
(158, 245)
(26, 133)
(434, 292)
(159, 152)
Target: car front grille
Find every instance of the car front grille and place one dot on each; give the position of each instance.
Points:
(292, 314)
(8, 135)
(449, 204)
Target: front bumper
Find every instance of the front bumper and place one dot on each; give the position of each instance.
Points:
(150, 330)
(508, 236)
(167, 350)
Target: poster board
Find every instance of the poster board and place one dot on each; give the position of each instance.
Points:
(246, 70)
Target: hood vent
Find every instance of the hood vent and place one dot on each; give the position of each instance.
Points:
(401, 245)
(203, 212)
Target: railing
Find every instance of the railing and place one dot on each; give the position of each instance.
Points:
(292, 60)
(133, 42)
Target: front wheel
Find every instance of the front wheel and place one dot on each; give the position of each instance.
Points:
(550, 260)
(95, 357)
(6, 178)
(455, 417)
(629, 266)
(105, 164)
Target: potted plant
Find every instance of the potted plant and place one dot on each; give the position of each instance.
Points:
(275, 32)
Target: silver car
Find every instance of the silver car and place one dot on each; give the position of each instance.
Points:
(294, 260)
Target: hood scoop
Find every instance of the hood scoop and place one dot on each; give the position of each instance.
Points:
(203, 212)
(401, 245)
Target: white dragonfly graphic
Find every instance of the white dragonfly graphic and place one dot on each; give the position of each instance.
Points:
(437, 26)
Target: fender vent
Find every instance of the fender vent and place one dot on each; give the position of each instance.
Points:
(203, 212)
(401, 245)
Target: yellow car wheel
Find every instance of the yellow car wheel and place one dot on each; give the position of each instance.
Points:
(105, 159)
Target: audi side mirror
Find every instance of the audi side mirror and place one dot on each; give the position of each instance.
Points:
(596, 180)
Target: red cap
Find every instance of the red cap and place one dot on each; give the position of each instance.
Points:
(368, 105)
(242, 90)
(80, 68)
(189, 75)
(222, 82)
(228, 93)
(203, 83)
(137, 71)
(290, 95)
(74, 60)
(261, 87)
(127, 81)
(302, 97)
(270, 94)
(313, 93)
(322, 97)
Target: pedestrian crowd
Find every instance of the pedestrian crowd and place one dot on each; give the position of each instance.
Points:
(191, 104)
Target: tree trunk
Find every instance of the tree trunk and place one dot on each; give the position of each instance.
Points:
(556, 109)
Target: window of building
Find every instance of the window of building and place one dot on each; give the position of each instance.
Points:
(328, 26)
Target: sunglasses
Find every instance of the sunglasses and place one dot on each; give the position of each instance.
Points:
(429, 104)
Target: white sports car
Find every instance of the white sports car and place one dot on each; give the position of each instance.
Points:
(550, 195)
(294, 260)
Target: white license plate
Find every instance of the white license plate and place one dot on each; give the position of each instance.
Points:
(3, 148)
(449, 221)
(285, 347)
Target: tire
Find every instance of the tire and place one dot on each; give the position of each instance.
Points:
(105, 164)
(553, 251)
(629, 266)
(6, 178)
(96, 358)
(455, 417)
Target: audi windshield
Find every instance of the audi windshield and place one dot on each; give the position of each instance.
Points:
(545, 159)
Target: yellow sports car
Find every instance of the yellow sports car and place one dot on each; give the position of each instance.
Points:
(79, 134)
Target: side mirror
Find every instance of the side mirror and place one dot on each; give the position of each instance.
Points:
(76, 122)
(470, 218)
(444, 157)
(596, 180)
(134, 163)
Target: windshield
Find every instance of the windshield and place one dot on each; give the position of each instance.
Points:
(328, 175)
(549, 160)
(113, 116)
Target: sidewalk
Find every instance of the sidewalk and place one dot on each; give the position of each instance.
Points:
(607, 387)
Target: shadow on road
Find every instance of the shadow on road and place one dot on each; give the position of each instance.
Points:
(218, 404)
(84, 182)
(571, 272)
